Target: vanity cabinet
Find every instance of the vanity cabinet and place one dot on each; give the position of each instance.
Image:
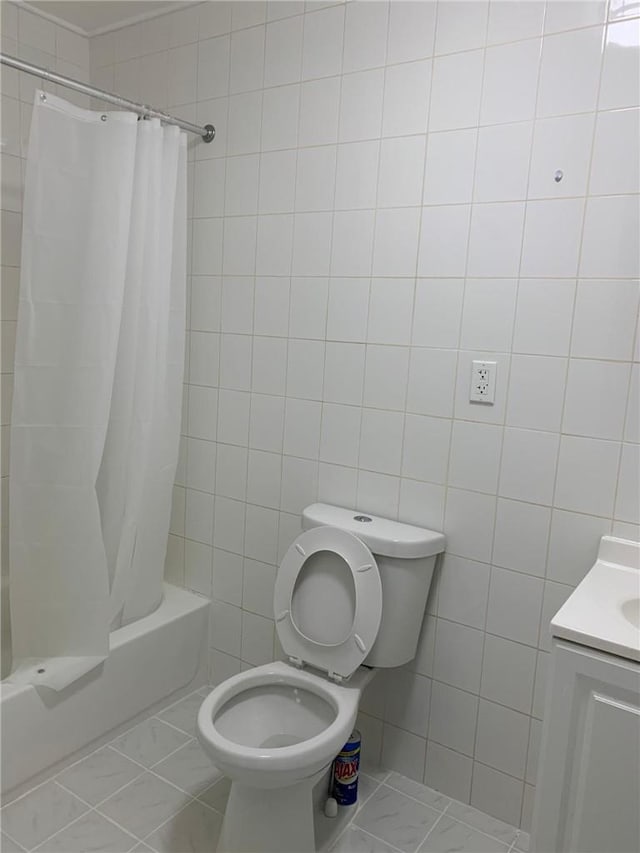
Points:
(588, 786)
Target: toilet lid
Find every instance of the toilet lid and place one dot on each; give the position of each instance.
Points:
(328, 600)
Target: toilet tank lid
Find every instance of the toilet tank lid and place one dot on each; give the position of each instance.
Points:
(383, 536)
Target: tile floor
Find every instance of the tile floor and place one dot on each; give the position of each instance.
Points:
(153, 789)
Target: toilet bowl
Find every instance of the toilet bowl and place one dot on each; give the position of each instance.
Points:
(277, 725)
(275, 730)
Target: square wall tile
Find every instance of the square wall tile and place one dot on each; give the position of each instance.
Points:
(432, 376)
(381, 441)
(528, 466)
(561, 144)
(463, 590)
(395, 247)
(515, 603)
(604, 322)
(495, 241)
(357, 175)
(503, 162)
(487, 318)
(475, 456)
(509, 21)
(365, 36)
(620, 86)
(448, 771)
(283, 52)
(344, 373)
(609, 248)
(627, 506)
(401, 171)
(437, 312)
(521, 537)
(496, 793)
(536, 392)
(425, 450)
(461, 73)
(573, 545)
(502, 739)
(406, 98)
(510, 78)
(340, 437)
(352, 246)
(615, 167)
(543, 316)
(348, 309)
(552, 238)
(452, 720)
(596, 398)
(569, 74)
(444, 237)
(411, 31)
(451, 157)
(311, 248)
(322, 46)
(468, 524)
(386, 374)
(361, 105)
(461, 27)
(305, 369)
(402, 750)
(390, 311)
(508, 673)
(458, 655)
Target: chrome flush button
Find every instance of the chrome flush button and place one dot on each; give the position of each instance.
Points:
(362, 518)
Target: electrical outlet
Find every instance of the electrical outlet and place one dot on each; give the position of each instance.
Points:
(483, 382)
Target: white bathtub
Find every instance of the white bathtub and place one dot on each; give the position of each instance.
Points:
(149, 660)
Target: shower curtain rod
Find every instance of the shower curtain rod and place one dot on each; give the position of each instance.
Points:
(207, 132)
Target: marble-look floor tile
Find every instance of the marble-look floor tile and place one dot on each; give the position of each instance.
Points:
(451, 836)
(194, 829)
(523, 842)
(396, 819)
(419, 792)
(354, 840)
(190, 768)
(484, 822)
(93, 833)
(366, 786)
(150, 741)
(40, 813)
(142, 848)
(217, 795)
(8, 845)
(183, 714)
(99, 775)
(144, 804)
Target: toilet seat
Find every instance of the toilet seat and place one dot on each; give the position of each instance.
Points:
(359, 570)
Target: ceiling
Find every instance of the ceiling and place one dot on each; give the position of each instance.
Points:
(92, 15)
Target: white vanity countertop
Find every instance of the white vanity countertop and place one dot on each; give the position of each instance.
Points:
(603, 612)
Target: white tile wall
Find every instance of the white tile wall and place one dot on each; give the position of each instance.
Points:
(378, 208)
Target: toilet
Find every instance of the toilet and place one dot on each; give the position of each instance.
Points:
(349, 597)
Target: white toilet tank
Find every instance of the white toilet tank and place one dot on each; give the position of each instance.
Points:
(406, 557)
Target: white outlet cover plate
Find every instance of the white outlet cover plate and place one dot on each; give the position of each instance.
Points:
(482, 387)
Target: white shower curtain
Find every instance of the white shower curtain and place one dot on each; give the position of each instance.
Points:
(98, 377)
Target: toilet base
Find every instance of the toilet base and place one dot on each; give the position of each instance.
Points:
(271, 820)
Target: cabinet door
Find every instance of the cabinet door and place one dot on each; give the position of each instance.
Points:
(588, 786)
(607, 779)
